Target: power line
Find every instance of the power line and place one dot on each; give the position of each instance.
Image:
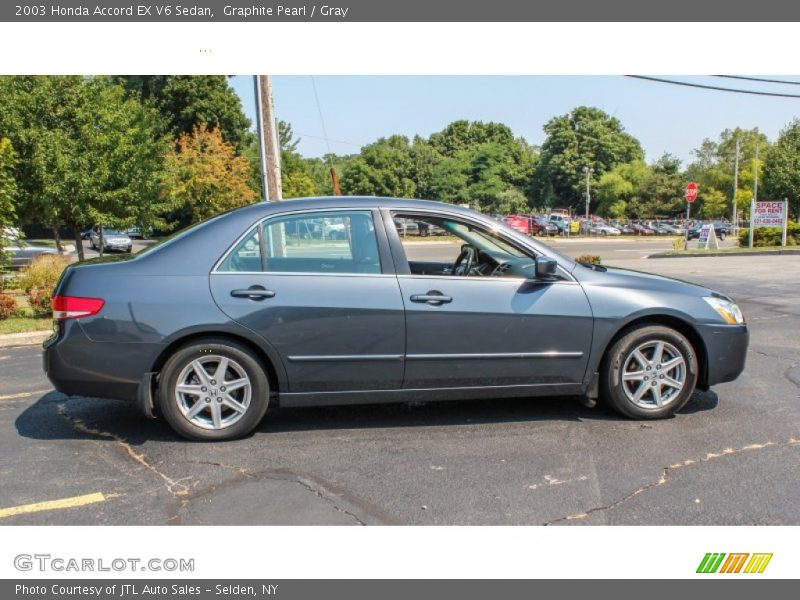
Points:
(321, 118)
(317, 137)
(759, 79)
(713, 87)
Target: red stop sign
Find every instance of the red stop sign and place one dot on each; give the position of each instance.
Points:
(691, 192)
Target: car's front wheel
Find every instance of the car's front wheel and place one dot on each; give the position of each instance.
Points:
(649, 373)
(215, 389)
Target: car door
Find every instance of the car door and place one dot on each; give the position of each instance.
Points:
(319, 287)
(501, 330)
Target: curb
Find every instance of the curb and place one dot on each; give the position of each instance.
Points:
(27, 338)
(698, 255)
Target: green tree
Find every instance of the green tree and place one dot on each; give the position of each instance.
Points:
(584, 137)
(714, 167)
(782, 168)
(508, 202)
(620, 185)
(188, 101)
(713, 204)
(295, 173)
(8, 184)
(86, 153)
(460, 136)
(383, 169)
(203, 176)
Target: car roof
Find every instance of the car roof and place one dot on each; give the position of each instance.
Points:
(207, 241)
(362, 202)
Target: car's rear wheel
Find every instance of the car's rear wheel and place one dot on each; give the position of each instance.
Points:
(214, 389)
(649, 373)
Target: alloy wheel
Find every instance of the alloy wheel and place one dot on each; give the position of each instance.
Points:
(213, 391)
(654, 374)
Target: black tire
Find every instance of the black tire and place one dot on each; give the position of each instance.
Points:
(721, 236)
(239, 353)
(611, 384)
(92, 244)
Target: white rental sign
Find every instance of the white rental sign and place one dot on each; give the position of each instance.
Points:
(769, 214)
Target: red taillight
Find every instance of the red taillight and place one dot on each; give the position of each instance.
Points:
(72, 307)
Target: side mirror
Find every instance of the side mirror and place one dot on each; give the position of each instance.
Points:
(545, 267)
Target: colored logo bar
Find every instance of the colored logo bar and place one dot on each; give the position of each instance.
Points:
(737, 562)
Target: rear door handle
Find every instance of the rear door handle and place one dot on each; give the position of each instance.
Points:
(254, 292)
(434, 298)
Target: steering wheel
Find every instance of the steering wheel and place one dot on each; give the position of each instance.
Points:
(467, 254)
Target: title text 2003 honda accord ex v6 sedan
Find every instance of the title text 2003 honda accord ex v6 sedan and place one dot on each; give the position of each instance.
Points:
(329, 301)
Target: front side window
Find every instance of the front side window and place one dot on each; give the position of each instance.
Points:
(324, 242)
(460, 248)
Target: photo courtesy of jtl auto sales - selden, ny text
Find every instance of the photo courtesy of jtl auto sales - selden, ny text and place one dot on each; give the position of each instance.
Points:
(399, 299)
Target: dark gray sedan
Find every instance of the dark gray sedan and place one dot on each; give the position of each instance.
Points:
(260, 307)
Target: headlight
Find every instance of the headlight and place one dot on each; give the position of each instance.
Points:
(727, 309)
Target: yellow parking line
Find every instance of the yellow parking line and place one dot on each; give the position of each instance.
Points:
(73, 502)
(25, 394)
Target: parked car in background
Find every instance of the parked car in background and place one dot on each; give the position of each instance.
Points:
(721, 230)
(640, 229)
(426, 229)
(519, 223)
(137, 233)
(111, 239)
(669, 229)
(406, 227)
(603, 229)
(218, 325)
(624, 228)
(22, 253)
(561, 222)
(541, 226)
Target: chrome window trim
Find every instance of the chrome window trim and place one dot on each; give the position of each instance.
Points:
(302, 274)
(260, 224)
(487, 279)
(470, 219)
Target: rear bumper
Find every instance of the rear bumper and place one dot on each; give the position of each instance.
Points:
(78, 366)
(726, 349)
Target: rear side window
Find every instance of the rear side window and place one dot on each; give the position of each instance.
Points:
(324, 242)
(246, 256)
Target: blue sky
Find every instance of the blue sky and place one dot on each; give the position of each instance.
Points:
(665, 118)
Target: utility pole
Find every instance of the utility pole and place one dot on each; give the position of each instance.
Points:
(755, 195)
(588, 171)
(735, 220)
(268, 138)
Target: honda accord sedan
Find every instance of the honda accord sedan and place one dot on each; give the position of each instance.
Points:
(263, 306)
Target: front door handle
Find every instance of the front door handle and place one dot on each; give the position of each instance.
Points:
(433, 297)
(254, 292)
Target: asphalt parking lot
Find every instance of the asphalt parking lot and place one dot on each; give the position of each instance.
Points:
(730, 457)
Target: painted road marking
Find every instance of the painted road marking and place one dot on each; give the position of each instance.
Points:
(73, 502)
(25, 394)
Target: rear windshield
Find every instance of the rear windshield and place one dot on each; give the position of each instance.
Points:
(179, 235)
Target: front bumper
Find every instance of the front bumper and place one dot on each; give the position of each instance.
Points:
(726, 350)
